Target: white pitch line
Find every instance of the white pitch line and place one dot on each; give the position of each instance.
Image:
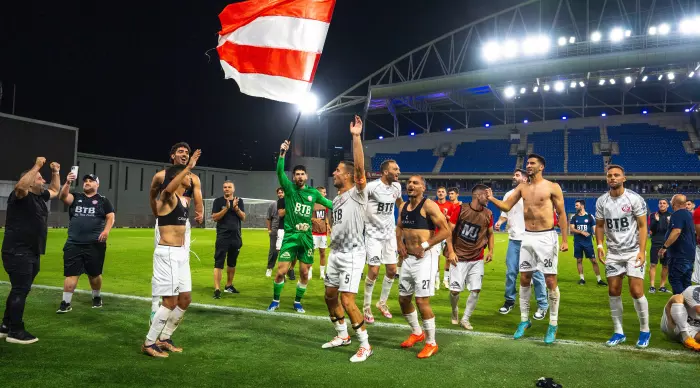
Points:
(678, 353)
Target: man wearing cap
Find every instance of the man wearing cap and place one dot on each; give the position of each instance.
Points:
(91, 219)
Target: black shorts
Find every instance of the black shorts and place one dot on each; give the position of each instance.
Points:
(581, 249)
(83, 258)
(226, 247)
(654, 254)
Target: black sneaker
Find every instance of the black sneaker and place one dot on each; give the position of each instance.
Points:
(231, 289)
(64, 307)
(581, 282)
(217, 294)
(652, 290)
(602, 283)
(4, 330)
(507, 306)
(97, 302)
(663, 289)
(21, 337)
(291, 275)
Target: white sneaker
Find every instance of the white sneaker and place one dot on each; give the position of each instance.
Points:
(369, 318)
(540, 314)
(446, 283)
(465, 324)
(268, 273)
(335, 342)
(362, 354)
(455, 316)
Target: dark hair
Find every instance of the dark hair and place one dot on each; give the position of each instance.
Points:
(319, 188)
(298, 167)
(279, 189)
(455, 189)
(420, 177)
(539, 158)
(442, 187)
(349, 166)
(171, 173)
(181, 144)
(520, 170)
(611, 166)
(581, 202)
(479, 187)
(385, 164)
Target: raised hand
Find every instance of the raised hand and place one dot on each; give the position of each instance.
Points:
(356, 126)
(194, 158)
(55, 167)
(284, 147)
(489, 193)
(40, 161)
(71, 178)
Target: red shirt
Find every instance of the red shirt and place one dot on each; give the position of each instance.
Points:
(696, 220)
(447, 208)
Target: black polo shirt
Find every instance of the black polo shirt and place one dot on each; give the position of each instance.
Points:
(280, 205)
(230, 224)
(26, 224)
(87, 218)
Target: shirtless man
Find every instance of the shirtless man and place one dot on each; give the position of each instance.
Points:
(540, 242)
(419, 246)
(172, 279)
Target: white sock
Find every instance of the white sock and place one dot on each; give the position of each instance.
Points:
(386, 289)
(525, 303)
(554, 297)
(642, 307)
(598, 277)
(159, 321)
(471, 305)
(363, 337)
(429, 328)
(446, 275)
(369, 289)
(412, 320)
(341, 329)
(95, 293)
(454, 301)
(581, 276)
(616, 313)
(680, 318)
(173, 322)
(67, 297)
(323, 271)
(155, 303)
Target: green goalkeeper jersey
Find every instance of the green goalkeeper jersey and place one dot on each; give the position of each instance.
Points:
(298, 202)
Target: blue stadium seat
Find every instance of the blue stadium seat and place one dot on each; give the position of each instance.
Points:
(551, 146)
(581, 157)
(481, 156)
(408, 161)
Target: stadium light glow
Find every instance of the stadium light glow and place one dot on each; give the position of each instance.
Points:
(572, 85)
(523, 90)
(449, 129)
(543, 44)
(617, 34)
(691, 74)
(509, 92)
(645, 112)
(563, 117)
(645, 78)
(612, 81)
(381, 137)
(601, 82)
(664, 29)
(413, 134)
(687, 110)
(491, 51)
(628, 80)
(603, 114)
(487, 125)
(525, 121)
(671, 76)
(559, 86)
(689, 26)
(661, 76)
(308, 103)
(546, 87)
(653, 30)
(595, 36)
(581, 84)
(572, 40)
(510, 49)
(562, 41)
(628, 33)
(535, 89)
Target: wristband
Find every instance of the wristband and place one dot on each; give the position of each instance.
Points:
(664, 247)
(425, 245)
(600, 246)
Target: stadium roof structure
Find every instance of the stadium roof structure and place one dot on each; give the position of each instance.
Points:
(536, 61)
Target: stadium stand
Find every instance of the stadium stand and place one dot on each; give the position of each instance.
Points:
(409, 161)
(581, 157)
(480, 156)
(551, 146)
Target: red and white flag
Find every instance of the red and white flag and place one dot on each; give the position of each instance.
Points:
(271, 48)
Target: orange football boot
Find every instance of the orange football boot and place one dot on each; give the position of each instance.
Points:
(413, 339)
(428, 351)
(690, 343)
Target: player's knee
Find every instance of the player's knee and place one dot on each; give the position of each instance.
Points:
(476, 291)
(390, 271)
(454, 293)
(348, 301)
(184, 300)
(678, 298)
(405, 300)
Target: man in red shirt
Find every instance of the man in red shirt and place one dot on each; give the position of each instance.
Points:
(696, 271)
(447, 208)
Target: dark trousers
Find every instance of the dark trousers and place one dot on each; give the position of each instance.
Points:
(680, 270)
(272, 252)
(22, 269)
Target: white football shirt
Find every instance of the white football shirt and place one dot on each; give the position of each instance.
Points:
(348, 221)
(381, 200)
(620, 216)
(691, 299)
(515, 218)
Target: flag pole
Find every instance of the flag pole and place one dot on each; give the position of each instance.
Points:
(294, 128)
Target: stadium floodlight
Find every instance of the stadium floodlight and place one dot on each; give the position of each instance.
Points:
(546, 87)
(308, 103)
(573, 85)
(687, 110)
(449, 129)
(572, 40)
(381, 137)
(617, 34)
(525, 121)
(628, 80)
(563, 117)
(491, 51)
(645, 78)
(603, 114)
(523, 90)
(601, 82)
(661, 76)
(413, 134)
(612, 81)
(487, 125)
(535, 89)
(691, 74)
(562, 41)
(645, 111)
(688, 26)
(671, 76)
(595, 36)
(664, 29)
(653, 30)
(581, 84)
(509, 92)
(559, 86)
(530, 46)
(510, 49)
(628, 33)
(543, 44)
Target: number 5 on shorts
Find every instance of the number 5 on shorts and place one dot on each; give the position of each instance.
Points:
(347, 278)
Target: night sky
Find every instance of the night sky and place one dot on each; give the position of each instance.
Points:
(134, 78)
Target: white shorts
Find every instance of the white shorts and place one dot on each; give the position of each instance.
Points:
(381, 251)
(171, 271)
(675, 333)
(320, 242)
(188, 235)
(466, 273)
(539, 251)
(280, 237)
(620, 264)
(696, 270)
(417, 276)
(344, 270)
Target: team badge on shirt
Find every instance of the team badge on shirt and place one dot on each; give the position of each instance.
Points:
(94, 202)
(309, 197)
(586, 220)
(626, 208)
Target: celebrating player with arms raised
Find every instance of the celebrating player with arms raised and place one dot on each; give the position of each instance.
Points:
(621, 216)
(540, 242)
(347, 258)
(419, 245)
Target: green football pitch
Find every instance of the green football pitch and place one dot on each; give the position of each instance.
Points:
(232, 342)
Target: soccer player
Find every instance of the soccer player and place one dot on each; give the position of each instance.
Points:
(583, 228)
(24, 243)
(179, 155)
(319, 228)
(471, 233)
(419, 245)
(453, 196)
(380, 235)
(516, 228)
(446, 207)
(298, 243)
(690, 206)
(91, 220)
(679, 247)
(681, 318)
(228, 212)
(539, 250)
(273, 222)
(621, 217)
(172, 280)
(658, 225)
(348, 255)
